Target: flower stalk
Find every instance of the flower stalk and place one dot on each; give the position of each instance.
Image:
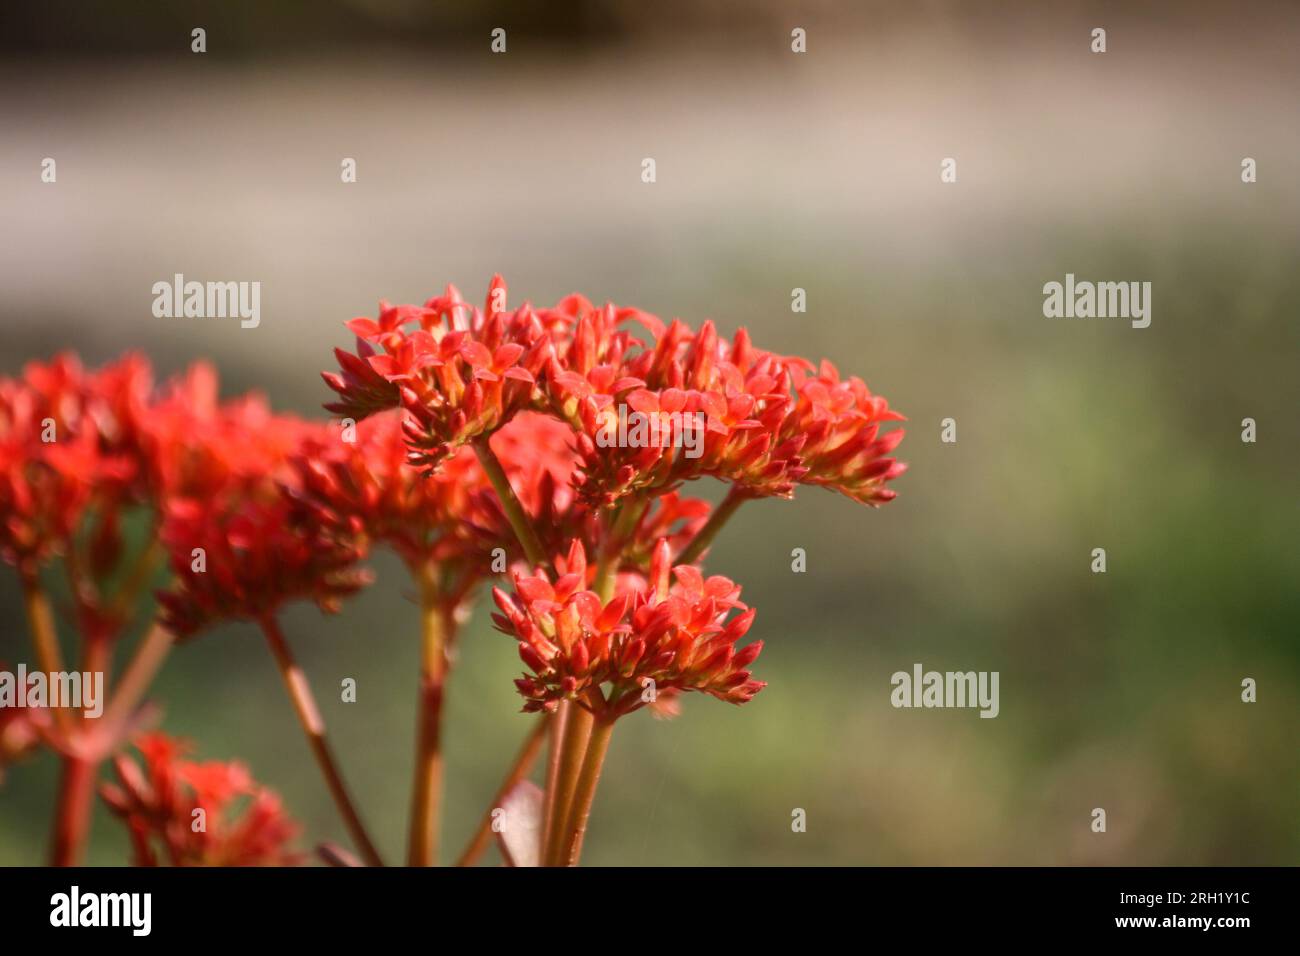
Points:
(45, 640)
(578, 724)
(135, 680)
(575, 828)
(510, 504)
(304, 705)
(474, 432)
(436, 623)
(704, 537)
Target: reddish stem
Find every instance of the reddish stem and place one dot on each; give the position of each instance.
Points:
(304, 704)
(555, 740)
(584, 795)
(72, 810)
(426, 799)
(573, 747)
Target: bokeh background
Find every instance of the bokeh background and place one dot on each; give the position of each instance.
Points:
(775, 171)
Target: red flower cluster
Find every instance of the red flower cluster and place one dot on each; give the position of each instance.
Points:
(361, 487)
(201, 449)
(248, 559)
(70, 446)
(537, 453)
(367, 490)
(237, 545)
(605, 655)
(460, 375)
(182, 813)
(470, 435)
(769, 422)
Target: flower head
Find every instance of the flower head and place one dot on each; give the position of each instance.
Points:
(538, 455)
(365, 488)
(246, 558)
(182, 813)
(759, 421)
(614, 657)
(461, 372)
(69, 447)
(200, 447)
(244, 549)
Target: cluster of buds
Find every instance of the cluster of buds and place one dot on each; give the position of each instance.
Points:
(473, 443)
(537, 393)
(93, 460)
(769, 422)
(71, 447)
(179, 812)
(460, 373)
(673, 632)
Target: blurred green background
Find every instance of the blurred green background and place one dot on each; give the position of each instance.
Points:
(775, 171)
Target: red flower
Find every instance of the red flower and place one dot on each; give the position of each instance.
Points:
(538, 456)
(838, 426)
(366, 491)
(759, 421)
(201, 448)
(610, 656)
(69, 446)
(747, 428)
(247, 558)
(182, 813)
(461, 374)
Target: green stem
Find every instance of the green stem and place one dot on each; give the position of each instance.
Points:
(573, 747)
(426, 799)
(585, 793)
(514, 510)
(619, 530)
(704, 537)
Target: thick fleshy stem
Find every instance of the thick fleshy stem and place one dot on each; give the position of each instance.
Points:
(585, 792)
(520, 523)
(426, 800)
(704, 537)
(73, 808)
(573, 748)
(523, 763)
(304, 704)
(554, 741)
(76, 797)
